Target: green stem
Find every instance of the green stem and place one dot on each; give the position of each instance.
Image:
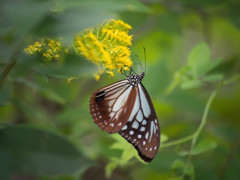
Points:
(197, 132)
(5, 72)
(231, 80)
(203, 121)
(176, 142)
(10, 65)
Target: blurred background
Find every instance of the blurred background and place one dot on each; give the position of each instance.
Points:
(46, 130)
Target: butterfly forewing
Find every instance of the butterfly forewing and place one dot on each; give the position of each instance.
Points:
(142, 129)
(111, 106)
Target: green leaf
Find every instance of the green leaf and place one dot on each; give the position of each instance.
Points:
(213, 77)
(203, 146)
(189, 171)
(191, 84)
(182, 75)
(208, 66)
(35, 151)
(199, 58)
(164, 138)
(129, 151)
(181, 152)
(110, 167)
(178, 166)
(127, 155)
(180, 169)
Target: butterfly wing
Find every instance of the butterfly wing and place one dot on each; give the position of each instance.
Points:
(142, 128)
(112, 105)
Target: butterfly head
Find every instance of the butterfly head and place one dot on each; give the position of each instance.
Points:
(135, 78)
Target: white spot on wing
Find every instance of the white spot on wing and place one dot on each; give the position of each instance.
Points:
(142, 129)
(135, 125)
(131, 132)
(124, 127)
(144, 122)
(154, 129)
(146, 135)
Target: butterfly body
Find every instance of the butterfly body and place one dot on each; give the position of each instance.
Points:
(125, 107)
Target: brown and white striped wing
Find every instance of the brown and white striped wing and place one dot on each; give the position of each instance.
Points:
(112, 105)
(142, 128)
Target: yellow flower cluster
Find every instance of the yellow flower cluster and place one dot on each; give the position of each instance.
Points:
(35, 48)
(107, 46)
(49, 49)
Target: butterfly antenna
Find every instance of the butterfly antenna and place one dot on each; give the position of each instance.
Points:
(139, 62)
(123, 71)
(145, 59)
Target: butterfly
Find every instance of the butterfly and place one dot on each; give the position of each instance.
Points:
(126, 108)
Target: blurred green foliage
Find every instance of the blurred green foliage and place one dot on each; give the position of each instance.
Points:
(192, 76)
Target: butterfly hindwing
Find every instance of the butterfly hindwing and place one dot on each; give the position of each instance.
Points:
(142, 128)
(111, 106)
